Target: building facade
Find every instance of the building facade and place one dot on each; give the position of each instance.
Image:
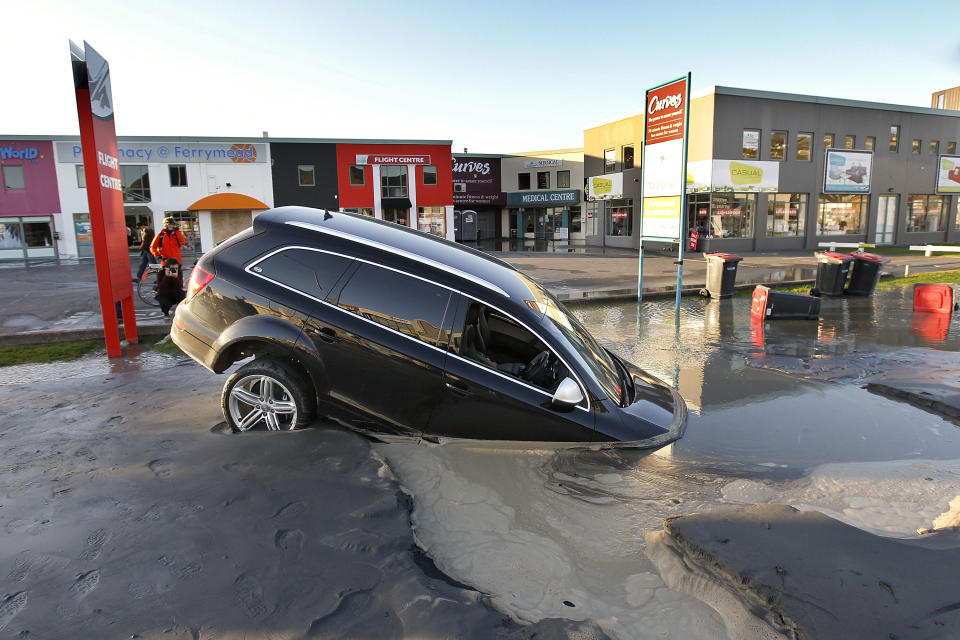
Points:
(770, 171)
(544, 195)
(30, 217)
(477, 187)
(211, 186)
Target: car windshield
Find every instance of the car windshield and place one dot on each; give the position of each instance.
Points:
(591, 355)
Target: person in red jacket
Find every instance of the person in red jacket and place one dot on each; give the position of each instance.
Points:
(167, 243)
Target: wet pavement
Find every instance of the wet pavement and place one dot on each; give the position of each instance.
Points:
(118, 488)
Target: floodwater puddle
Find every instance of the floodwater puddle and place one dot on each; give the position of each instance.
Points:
(776, 418)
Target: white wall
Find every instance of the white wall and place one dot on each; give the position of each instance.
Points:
(203, 179)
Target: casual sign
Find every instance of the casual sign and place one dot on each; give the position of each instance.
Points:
(733, 175)
(606, 187)
(664, 159)
(101, 164)
(847, 171)
(948, 175)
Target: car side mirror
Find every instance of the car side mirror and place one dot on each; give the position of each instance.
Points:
(568, 394)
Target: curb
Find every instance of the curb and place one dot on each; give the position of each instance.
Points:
(69, 335)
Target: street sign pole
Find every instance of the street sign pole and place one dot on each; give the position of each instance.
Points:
(683, 191)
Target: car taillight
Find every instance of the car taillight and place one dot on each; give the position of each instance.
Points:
(198, 280)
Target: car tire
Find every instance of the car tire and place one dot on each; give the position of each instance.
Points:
(267, 393)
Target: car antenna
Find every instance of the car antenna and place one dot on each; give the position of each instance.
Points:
(326, 215)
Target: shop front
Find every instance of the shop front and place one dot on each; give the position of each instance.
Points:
(545, 216)
(29, 200)
(408, 184)
(477, 188)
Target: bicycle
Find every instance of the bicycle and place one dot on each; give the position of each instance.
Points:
(147, 285)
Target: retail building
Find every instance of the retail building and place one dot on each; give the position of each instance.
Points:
(771, 171)
(477, 187)
(544, 195)
(212, 186)
(30, 216)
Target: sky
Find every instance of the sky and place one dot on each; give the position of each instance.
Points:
(492, 76)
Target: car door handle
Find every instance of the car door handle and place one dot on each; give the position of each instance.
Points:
(457, 389)
(327, 334)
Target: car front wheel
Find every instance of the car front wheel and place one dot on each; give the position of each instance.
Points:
(269, 393)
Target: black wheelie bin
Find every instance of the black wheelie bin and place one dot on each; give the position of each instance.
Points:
(865, 272)
(721, 274)
(832, 271)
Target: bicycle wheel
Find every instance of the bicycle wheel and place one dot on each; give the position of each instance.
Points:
(147, 290)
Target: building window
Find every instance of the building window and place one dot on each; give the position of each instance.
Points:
(841, 214)
(136, 182)
(804, 144)
(956, 213)
(849, 142)
(828, 140)
(894, 137)
(870, 143)
(934, 147)
(393, 181)
(731, 215)
(778, 145)
(915, 147)
(951, 148)
(357, 176)
(609, 160)
(305, 171)
(940, 101)
(13, 177)
(619, 217)
(924, 213)
(627, 155)
(751, 143)
(523, 181)
(430, 174)
(363, 211)
(81, 177)
(563, 179)
(178, 175)
(575, 219)
(543, 179)
(785, 214)
(432, 220)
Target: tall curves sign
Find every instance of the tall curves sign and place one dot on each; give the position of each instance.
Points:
(101, 168)
(665, 160)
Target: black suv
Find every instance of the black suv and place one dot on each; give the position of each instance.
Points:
(392, 331)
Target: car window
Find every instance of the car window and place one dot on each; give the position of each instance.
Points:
(408, 305)
(499, 342)
(311, 272)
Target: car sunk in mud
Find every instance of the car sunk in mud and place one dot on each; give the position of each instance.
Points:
(389, 330)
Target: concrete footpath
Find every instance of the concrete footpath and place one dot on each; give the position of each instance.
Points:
(55, 302)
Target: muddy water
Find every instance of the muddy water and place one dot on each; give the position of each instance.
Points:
(778, 415)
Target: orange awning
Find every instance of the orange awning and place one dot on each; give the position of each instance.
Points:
(227, 201)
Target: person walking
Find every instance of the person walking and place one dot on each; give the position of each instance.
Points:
(146, 258)
(167, 243)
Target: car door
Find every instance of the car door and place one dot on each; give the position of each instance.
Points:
(382, 353)
(481, 400)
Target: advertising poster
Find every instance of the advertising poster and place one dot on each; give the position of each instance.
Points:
(605, 187)
(847, 171)
(476, 181)
(948, 176)
(664, 158)
(746, 175)
(101, 163)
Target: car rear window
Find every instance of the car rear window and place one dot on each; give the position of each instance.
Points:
(311, 272)
(405, 304)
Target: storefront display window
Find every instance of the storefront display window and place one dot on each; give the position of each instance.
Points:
(924, 213)
(432, 220)
(841, 214)
(619, 217)
(731, 215)
(698, 212)
(29, 237)
(785, 214)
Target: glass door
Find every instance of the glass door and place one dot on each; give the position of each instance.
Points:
(886, 219)
(544, 228)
